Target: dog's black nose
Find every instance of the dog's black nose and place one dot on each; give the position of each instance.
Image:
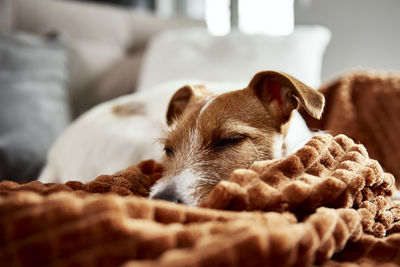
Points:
(168, 194)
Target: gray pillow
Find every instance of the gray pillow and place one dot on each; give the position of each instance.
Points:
(34, 106)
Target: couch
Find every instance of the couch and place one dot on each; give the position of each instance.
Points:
(106, 42)
(94, 53)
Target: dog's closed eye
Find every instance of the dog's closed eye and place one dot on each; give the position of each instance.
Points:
(169, 151)
(228, 141)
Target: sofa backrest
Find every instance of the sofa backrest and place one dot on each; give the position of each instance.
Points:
(101, 39)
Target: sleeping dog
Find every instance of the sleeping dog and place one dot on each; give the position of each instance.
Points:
(210, 135)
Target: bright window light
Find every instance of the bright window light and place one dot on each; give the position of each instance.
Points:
(275, 17)
(218, 16)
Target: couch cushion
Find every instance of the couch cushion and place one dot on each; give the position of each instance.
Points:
(121, 79)
(33, 102)
(195, 54)
(122, 76)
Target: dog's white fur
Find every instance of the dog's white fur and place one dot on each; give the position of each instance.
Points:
(101, 142)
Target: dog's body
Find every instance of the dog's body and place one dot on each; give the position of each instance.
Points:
(212, 135)
(115, 135)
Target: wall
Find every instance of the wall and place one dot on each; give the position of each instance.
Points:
(365, 33)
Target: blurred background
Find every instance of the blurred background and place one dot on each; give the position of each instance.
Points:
(59, 58)
(365, 32)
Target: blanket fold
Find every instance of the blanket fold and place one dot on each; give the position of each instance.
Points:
(365, 105)
(323, 206)
(327, 204)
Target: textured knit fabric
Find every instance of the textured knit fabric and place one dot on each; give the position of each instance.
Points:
(324, 201)
(365, 105)
(327, 204)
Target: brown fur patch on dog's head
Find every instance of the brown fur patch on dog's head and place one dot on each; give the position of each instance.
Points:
(128, 109)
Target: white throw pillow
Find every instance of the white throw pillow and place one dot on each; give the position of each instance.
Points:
(192, 53)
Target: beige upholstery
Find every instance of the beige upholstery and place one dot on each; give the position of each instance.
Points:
(123, 73)
(106, 42)
(108, 26)
(5, 14)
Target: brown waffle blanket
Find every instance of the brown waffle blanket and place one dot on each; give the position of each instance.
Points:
(365, 105)
(326, 204)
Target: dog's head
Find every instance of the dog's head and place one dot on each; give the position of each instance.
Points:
(209, 136)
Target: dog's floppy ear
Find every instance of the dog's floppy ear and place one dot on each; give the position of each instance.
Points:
(181, 99)
(280, 93)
